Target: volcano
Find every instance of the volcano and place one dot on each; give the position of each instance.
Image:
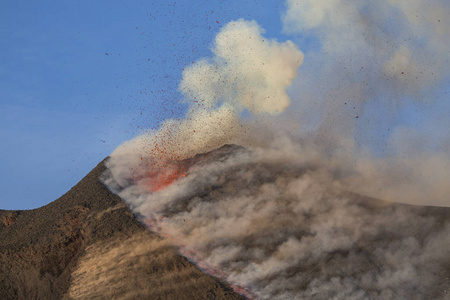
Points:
(230, 228)
(88, 245)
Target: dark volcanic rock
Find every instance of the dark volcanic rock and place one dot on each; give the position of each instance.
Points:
(87, 244)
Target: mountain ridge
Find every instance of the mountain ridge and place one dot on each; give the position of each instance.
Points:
(41, 248)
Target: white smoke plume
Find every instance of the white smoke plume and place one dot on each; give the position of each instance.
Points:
(281, 220)
(248, 71)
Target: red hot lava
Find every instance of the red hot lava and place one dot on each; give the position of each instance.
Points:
(161, 176)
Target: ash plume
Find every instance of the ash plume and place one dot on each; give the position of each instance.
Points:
(374, 91)
(365, 114)
(248, 72)
(276, 223)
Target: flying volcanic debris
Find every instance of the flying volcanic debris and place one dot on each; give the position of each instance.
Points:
(248, 72)
(284, 217)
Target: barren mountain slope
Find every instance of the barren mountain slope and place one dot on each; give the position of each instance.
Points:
(87, 244)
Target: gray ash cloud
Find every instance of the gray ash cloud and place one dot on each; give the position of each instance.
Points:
(279, 225)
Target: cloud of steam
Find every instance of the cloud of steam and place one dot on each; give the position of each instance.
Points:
(277, 223)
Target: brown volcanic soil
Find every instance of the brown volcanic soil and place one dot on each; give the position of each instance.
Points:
(88, 245)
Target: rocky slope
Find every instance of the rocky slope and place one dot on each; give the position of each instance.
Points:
(88, 245)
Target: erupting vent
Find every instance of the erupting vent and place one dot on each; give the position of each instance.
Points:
(163, 177)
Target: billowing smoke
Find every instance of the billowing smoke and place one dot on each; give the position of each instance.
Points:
(374, 89)
(276, 223)
(248, 73)
(366, 113)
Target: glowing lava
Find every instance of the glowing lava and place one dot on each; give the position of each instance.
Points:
(161, 176)
(215, 272)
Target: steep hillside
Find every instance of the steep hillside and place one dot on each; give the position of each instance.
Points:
(87, 244)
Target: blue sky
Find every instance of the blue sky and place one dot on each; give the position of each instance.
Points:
(77, 78)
